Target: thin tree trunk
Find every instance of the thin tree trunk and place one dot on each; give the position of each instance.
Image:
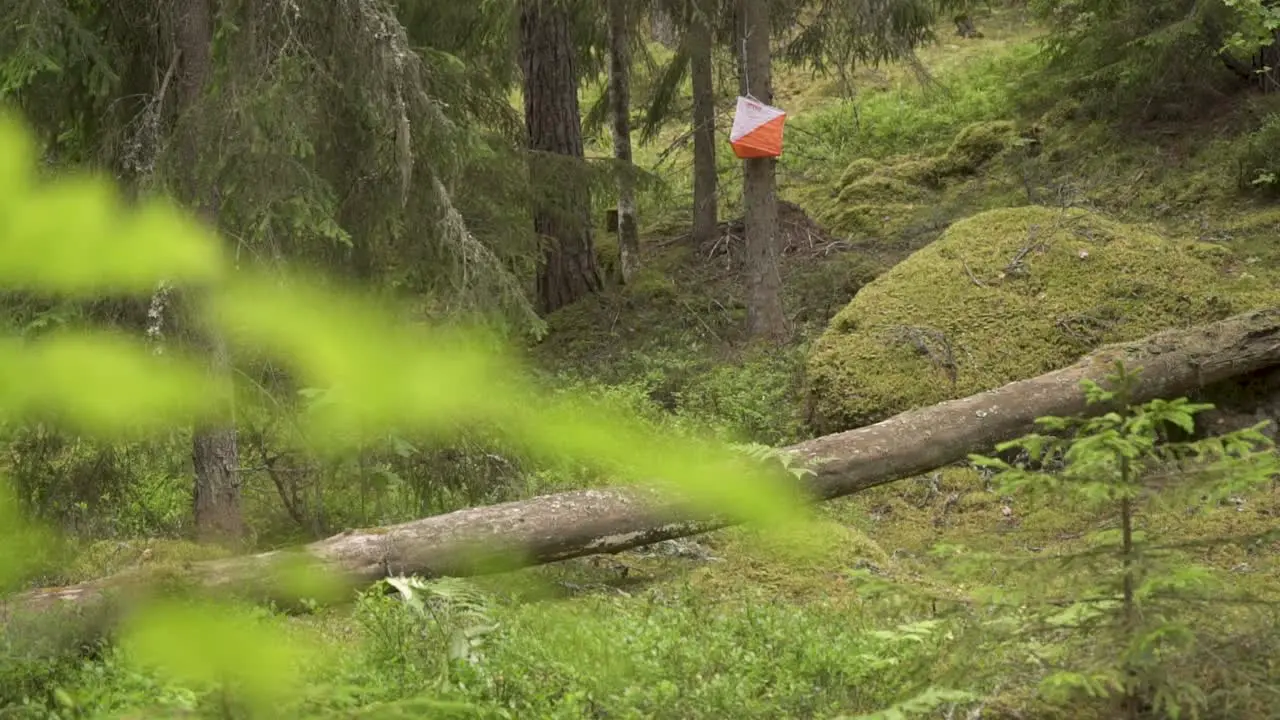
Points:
(740, 45)
(765, 317)
(214, 455)
(620, 105)
(1132, 699)
(588, 522)
(1269, 58)
(554, 122)
(705, 202)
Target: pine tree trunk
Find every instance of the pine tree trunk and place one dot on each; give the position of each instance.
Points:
(740, 44)
(620, 102)
(214, 455)
(562, 205)
(705, 201)
(765, 317)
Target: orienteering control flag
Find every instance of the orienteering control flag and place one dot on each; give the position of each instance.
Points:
(757, 129)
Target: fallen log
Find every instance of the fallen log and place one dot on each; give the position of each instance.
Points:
(587, 522)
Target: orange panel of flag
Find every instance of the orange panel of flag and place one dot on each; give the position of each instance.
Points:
(757, 129)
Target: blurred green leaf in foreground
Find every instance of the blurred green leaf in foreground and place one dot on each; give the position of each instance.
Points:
(73, 237)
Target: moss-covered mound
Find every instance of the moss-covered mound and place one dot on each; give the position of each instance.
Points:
(1009, 294)
(973, 147)
(889, 198)
(976, 145)
(879, 189)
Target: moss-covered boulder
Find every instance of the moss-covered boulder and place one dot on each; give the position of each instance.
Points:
(1009, 294)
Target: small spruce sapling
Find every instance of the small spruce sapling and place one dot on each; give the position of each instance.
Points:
(1131, 600)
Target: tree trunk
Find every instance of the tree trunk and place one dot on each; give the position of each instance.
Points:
(1268, 64)
(215, 458)
(553, 119)
(663, 27)
(705, 201)
(214, 455)
(765, 317)
(965, 27)
(620, 106)
(740, 45)
(587, 522)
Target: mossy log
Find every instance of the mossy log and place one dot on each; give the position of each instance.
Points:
(586, 522)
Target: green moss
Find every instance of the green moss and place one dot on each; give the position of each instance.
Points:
(1251, 230)
(108, 557)
(824, 289)
(1267, 219)
(858, 169)
(960, 317)
(975, 145)
(883, 203)
(879, 220)
(651, 283)
(920, 171)
(887, 198)
(606, 247)
(879, 189)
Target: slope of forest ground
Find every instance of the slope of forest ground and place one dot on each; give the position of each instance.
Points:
(700, 628)
(857, 205)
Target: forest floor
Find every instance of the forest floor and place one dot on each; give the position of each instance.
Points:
(740, 625)
(674, 337)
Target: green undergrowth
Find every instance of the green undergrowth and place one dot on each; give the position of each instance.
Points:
(922, 523)
(674, 335)
(670, 345)
(732, 629)
(884, 176)
(907, 116)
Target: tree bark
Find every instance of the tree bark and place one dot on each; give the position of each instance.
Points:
(705, 201)
(214, 455)
(663, 27)
(620, 106)
(765, 317)
(587, 522)
(553, 119)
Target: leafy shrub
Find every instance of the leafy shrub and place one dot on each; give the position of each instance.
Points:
(100, 489)
(1258, 158)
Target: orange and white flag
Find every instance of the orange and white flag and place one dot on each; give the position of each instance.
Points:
(757, 129)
